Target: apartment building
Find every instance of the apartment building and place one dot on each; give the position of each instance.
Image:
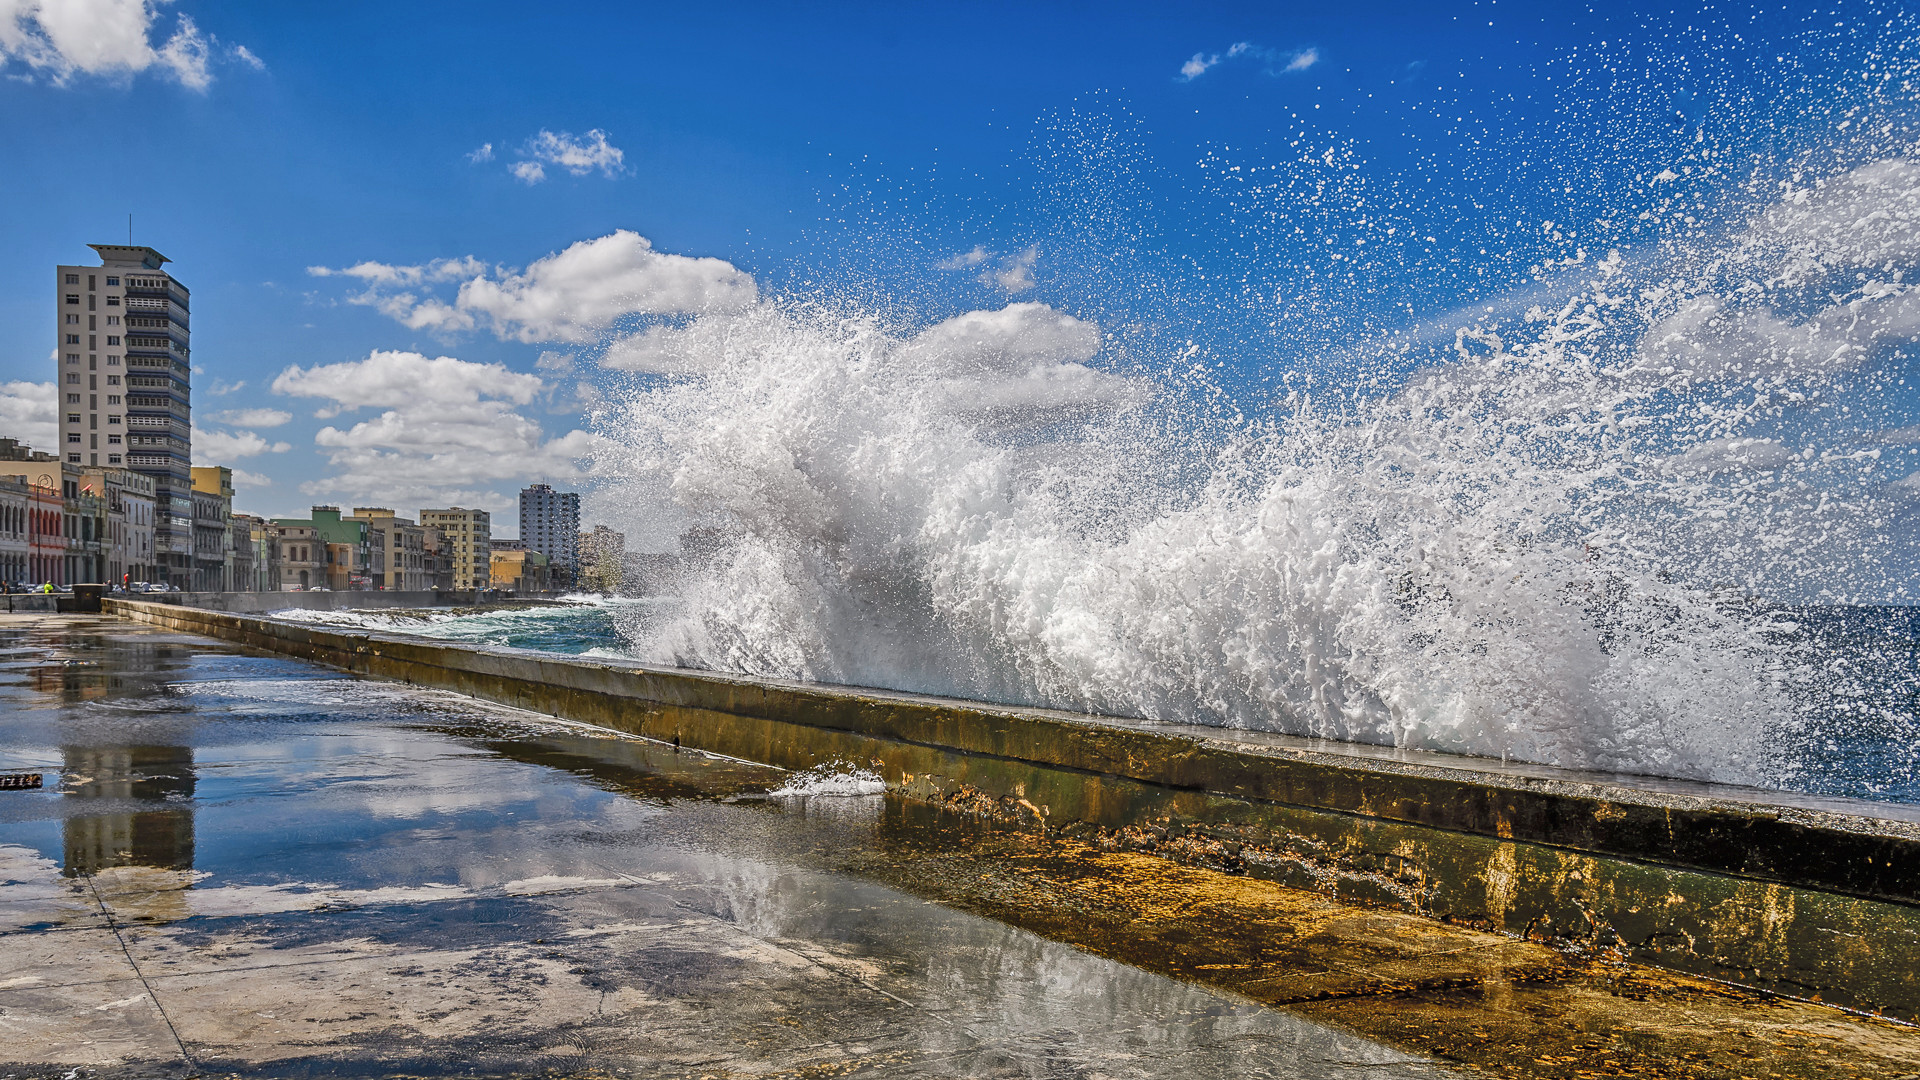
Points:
(467, 541)
(517, 570)
(550, 524)
(402, 545)
(16, 504)
(603, 557)
(129, 539)
(212, 529)
(123, 367)
(302, 555)
(256, 554)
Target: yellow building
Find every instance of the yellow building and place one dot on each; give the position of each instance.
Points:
(467, 540)
(520, 571)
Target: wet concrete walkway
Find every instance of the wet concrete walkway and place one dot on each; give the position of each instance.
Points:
(247, 865)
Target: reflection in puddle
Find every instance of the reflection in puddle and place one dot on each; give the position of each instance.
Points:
(159, 836)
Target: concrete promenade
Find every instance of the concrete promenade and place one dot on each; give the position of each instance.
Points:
(1816, 898)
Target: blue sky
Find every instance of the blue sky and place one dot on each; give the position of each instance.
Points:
(927, 159)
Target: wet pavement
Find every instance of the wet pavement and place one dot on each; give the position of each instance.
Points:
(247, 865)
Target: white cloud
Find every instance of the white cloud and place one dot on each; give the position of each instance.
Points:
(1015, 273)
(1198, 65)
(29, 412)
(963, 260)
(253, 418)
(1863, 225)
(578, 155)
(59, 39)
(246, 56)
(528, 172)
(211, 447)
(1023, 357)
(405, 379)
(391, 274)
(484, 153)
(244, 479)
(448, 429)
(577, 294)
(221, 388)
(1277, 62)
(554, 361)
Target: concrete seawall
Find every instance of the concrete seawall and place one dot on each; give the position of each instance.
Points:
(1807, 897)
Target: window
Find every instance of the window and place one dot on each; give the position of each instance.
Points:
(73, 399)
(113, 380)
(73, 436)
(73, 279)
(73, 320)
(113, 459)
(73, 377)
(113, 281)
(73, 358)
(75, 458)
(112, 340)
(113, 440)
(113, 399)
(113, 301)
(73, 339)
(73, 298)
(91, 279)
(113, 361)
(73, 417)
(113, 320)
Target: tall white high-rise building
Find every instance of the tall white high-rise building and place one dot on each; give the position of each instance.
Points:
(122, 375)
(550, 525)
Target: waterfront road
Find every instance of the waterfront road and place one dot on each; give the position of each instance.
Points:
(246, 865)
(242, 864)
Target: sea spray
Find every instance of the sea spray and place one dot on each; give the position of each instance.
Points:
(1557, 522)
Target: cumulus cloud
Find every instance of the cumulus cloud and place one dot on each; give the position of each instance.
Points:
(447, 431)
(244, 479)
(1846, 243)
(396, 379)
(29, 412)
(575, 295)
(61, 39)
(1275, 61)
(963, 260)
(1022, 357)
(1015, 272)
(484, 153)
(213, 447)
(577, 154)
(253, 418)
(1014, 338)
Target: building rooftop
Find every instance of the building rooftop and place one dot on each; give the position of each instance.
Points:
(129, 255)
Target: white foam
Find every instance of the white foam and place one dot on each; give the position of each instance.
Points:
(833, 780)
